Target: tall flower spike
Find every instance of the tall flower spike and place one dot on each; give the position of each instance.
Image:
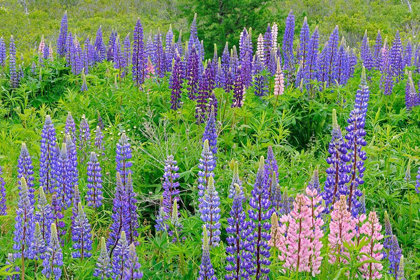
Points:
(48, 155)
(132, 266)
(81, 235)
(25, 170)
(120, 257)
(170, 185)
(206, 268)
(418, 181)
(3, 54)
(38, 244)
(94, 182)
(238, 257)
(238, 90)
(210, 132)
(53, 259)
(63, 178)
(58, 216)
(62, 37)
(84, 137)
(313, 201)
(259, 224)
(14, 79)
(396, 57)
(210, 212)
(3, 199)
(176, 81)
(278, 80)
(139, 58)
(400, 274)
(412, 98)
(206, 166)
(288, 41)
(70, 127)
(123, 156)
(394, 256)
(44, 216)
(235, 181)
(193, 73)
(99, 137)
(132, 218)
(103, 265)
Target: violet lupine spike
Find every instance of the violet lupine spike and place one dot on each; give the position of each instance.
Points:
(48, 155)
(246, 61)
(206, 268)
(62, 37)
(72, 164)
(161, 218)
(206, 166)
(139, 59)
(193, 73)
(260, 81)
(46, 52)
(159, 62)
(176, 82)
(210, 213)
(259, 225)
(288, 42)
(377, 50)
(63, 178)
(25, 170)
(100, 49)
(268, 45)
(169, 51)
(366, 54)
(239, 90)
(341, 65)
(3, 199)
(3, 55)
(132, 266)
(120, 257)
(387, 81)
(314, 182)
(304, 48)
(38, 244)
(237, 255)
(210, 132)
(53, 257)
(14, 79)
(328, 58)
(394, 256)
(132, 218)
(202, 98)
(84, 137)
(396, 57)
(400, 273)
(225, 60)
(271, 167)
(123, 157)
(126, 54)
(111, 42)
(412, 97)
(24, 227)
(408, 54)
(99, 137)
(70, 127)
(94, 182)
(119, 62)
(418, 181)
(58, 216)
(388, 231)
(103, 268)
(81, 235)
(119, 214)
(44, 215)
(170, 185)
(235, 180)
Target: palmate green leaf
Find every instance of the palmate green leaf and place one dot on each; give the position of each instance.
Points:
(3, 271)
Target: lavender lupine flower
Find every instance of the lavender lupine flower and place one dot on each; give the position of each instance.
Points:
(161, 218)
(387, 81)
(377, 52)
(210, 132)
(238, 256)
(193, 40)
(288, 42)
(341, 69)
(94, 182)
(396, 57)
(327, 59)
(120, 257)
(394, 256)
(119, 214)
(400, 274)
(259, 224)
(176, 81)
(3, 206)
(119, 62)
(14, 79)
(72, 170)
(103, 265)
(62, 37)
(239, 90)
(366, 54)
(38, 244)
(210, 212)
(24, 227)
(46, 52)
(206, 268)
(111, 42)
(388, 232)
(81, 235)
(206, 166)
(193, 73)
(169, 49)
(202, 98)
(100, 49)
(132, 266)
(418, 181)
(235, 180)
(48, 155)
(355, 142)
(159, 58)
(75, 210)
(170, 185)
(84, 137)
(123, 156)
(270, 168)
(44, 215)
(246, 53)
(70, 127)
(53, 259)
(2, 52)
(304, 49)
(58, 216)
(84, 82)
(268, 45)
(260, 81)
(63, 178)
(99, 136)
(408, 54)
(126, 54)
(25, 170)
(139, 59)
(412, 98)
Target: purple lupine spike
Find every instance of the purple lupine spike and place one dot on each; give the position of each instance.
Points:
(418, 181)
(100, 49)
(81, 235)
(388, 232)
(69, 49)
(150, 49)
(63, 178)
(210, 212)
(3, 200)
(123, 156)
(314, 182)
(159, 62)
(118, 56)
(311, 72)
(176, 81)
(408, 54)
(259, 224)
(14, 80)
(206, 166)
(72, 170)
(103, 265)
(337, 173)
(268, 45)
(341, 65)
(225, 63)
(239, 90)
(193, 40)
(229, 82)
(120, 257)
(53, 257)
(202, 99)
(260, 80)
(46, 52)
(328, 58)
(396, 57)
(58, 216)
(111, 42)
(62, 37)
(119, 214)
(304, 47)
(206, 268)
(169, 51)
(94, 182)
(84, 137)
(210, 132)
(48, 155)
(3, 55)
(394, 257)
(100, 121)
(377, 50)
(127, 54)
(220, 77)
(366, 54)
(387, 81)
(170, 185)
(84, 82)
(161, 218)
(246, 60)
(70, 127)
(139, 59)
(238, 256)
(132, 218)
(234, 61)
(99, 137)
(44, 215)
(288, 42)
(412, 98)
(355, 142)
(192, 73)
(89, 55)
(132, 266)
(24, 227)
(38, 244)
(235, 180)
(25, 170)
(270, 168)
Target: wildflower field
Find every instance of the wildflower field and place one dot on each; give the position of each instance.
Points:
(293, 153)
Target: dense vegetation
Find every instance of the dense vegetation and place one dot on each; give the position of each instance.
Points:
(133, 119)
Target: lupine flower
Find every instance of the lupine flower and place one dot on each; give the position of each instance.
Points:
(206, 166)
(238, 256)
(418, 181)
(120, 257)
(192, 73)
(84, 82)
(123, 156)
(170, 185)
(246, 52)
(328, 57)
(63, 178)
(119, 214)
(377, 53)
(103, 265)
(72, 170)
(366, 54)
(38, 244)
(260, 48)
(139, 59)
(53, 260)
(268, 41)
(81, 235)
(239, 90)
(408, 53)
(396, 58)
(44, 216)
(169, 49)
(372, 231)
(342, 230)
(58, 216)
(126, 54)
(286, 203)
(100, 49)
(260, 81)
(394, 256)
(210, 212)
(176, 82)
(161, 218)
(62, 37)
(70, 127)
(277, 239)
(99, 136)
(259, 224)
(3, 207)
(206, 268)
(3, 54)
(388, 231)
(210, 132)
(235, 181)
(278, 80)
(202, 98)
(288, 42)
(337, 175)
(400, 274)
(341, 65)
(313, 200)
(132, 266)
(387, 82)
(14, 79)
(94, 182)
(412, 98)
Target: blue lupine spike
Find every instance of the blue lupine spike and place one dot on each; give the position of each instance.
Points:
(120, 257)
(418, 181)
(81, 235)
(38, 244)
(58, 216)
(288, 42)
(176, 82)
(25, 170)
(202, 98)
(3, 199)
(394, 256)
(388, 231)
(132, 266)
(44, 215)
(170, 185)
(192, 73)
(412, 98)
(238, 89)
(3, 55)
(53, 259)
(100, 48)
(210, 212)
(94, 182)
(48, 155)
(206, 166)
(210, 132)
(64, 178)
(235, 181)
(139, 59)
(123, 157)
(62, 37)
(366, 54)
(396, 58)
(103, 268)
(270, 167)
(377, 53)
(206, 268)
